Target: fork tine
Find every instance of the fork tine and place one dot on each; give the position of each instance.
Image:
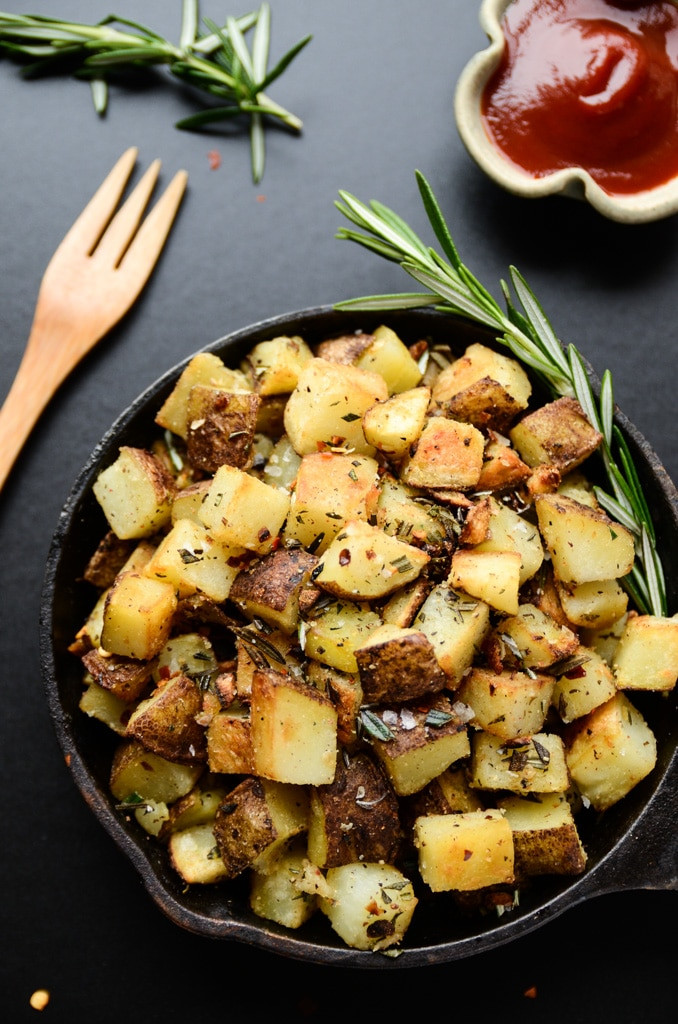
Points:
(121, 229)
(87, 229)
(147, 244)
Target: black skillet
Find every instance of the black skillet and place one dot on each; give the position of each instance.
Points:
(631, 846)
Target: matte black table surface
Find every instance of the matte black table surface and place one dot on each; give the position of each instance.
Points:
(374, 89)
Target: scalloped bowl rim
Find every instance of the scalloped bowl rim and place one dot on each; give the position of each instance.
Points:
(574, 182)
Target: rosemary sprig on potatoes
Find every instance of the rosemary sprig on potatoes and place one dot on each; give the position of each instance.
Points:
(451, 287)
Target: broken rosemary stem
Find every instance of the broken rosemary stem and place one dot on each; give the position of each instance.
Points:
(526, 332)
(218, 63)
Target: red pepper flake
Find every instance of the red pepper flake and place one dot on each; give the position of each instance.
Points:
(261, 199)
(578, 672)
(214, 159)
(531, 992)
(468, 854)
(344, 556)
(67, 759)
(264, 534)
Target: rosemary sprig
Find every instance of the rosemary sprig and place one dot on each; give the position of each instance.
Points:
(218, 63)
(525, 330)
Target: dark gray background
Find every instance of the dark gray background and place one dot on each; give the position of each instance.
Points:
(375, 90)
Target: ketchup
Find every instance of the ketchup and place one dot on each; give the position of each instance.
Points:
(591, 84)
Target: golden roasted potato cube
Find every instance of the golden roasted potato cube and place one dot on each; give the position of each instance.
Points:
(545, 837)
(204, 368)
(533, 640)
(198, 807)
(97, 702)
(575, 485)
(283, 893)
(584, 544)
(398, 664)
(294, 730)
(363, 563)
(403, 605)
(137, 617)
(325, 409)
(269, 589)
(456, 626)
(241, 511)
(464, 851)
(194, 855)
(388, 356)
(330, 489)
(371, 905)
(490, 576)
(415, 743)
(507, 704)
(448, 454)
(345, 692)
(192, 560)
(165, 722)
(256, 820)
(344, 348)
(507, 530)
(503, 469)
(609, 751)
(646, 657)
(499, 382)
(275, 365)
(229, 741)
(448, 793)
(220, 427)
(557, 434)
(604, 641)
(333, 632)
(137, 774)
(282, 465)
(191, 653)
(534, 764)
(585, 686)
(596, 605)
(125, 678)
(135, 493)
(187, 501)
(394, 426)
(355, 817)
(276, 647)
(420, 522)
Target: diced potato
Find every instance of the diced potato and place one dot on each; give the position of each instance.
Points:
(187, 501)
(124, 678)
(165, 722)
(507, 530)
(345, 692)
(344, 348)
(485, 381)
(448, 793)
(403, 605)
(294, 730)
(198, 807)
(192, 560)
(221, 427)
(138, 773)
(503, 469)
(604, 641)
(270, 588)
(355, 817)
(241, 511)
(586, 686)
(330, 489)
(229, 741)
(532, 765)
(401, 515)
(279, 649)
(195, 855)
(96, 702)
(646, 657)
(325, 409)
(507, 704)
(275, 365)
(596, 605)
(388, 356)
(135, 493)
(191, 653)
(465, 851)
(371, 905)
(557, 434)
(107, 560)
(282, 465)
(137, 616)
(364, 563)
(333, 633)
(456, 626)
(281, 893)
(398, 664)
(536, 640)
(204, 368)
(490, 576)
(425, 739)
(256, 820)
(609, 751)
(394, 426)
(545, 837)
(448, 454)
(584, 544)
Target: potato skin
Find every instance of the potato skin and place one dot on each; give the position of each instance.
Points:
(400, 668)
(166, 724)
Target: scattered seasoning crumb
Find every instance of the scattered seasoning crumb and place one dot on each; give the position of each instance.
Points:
(531, 992)
(261, 199)
(39, 999)
(214, 159)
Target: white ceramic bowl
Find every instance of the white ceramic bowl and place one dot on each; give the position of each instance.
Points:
(574, 182)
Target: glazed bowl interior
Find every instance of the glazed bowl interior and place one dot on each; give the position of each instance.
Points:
(572, 182)
(438, 933)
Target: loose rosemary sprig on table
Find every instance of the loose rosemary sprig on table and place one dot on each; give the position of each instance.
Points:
(527, 333)
(217, 63)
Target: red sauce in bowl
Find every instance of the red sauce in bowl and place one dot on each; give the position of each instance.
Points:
(591, 84)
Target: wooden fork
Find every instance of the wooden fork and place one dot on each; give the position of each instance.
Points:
(93, 278)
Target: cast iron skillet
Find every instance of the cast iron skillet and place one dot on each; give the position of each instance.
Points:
(631, 846)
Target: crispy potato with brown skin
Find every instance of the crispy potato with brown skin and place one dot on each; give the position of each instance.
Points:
(135, 493)
(332, 632)
(398, 664)
(107, 560)
(139, 774)
(345, 692)
(204, 368)
(448, 454)
(126, 678)
(220, 427)
(165, 722)
(502, 469)
(355, 817)
(557, 434)
(545, 837)
(402, 607)
(269, 589)
(229, 741)
(345, 348)
(481, 371)
(533, 640)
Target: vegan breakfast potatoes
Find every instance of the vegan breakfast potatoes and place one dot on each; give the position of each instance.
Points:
(360, 632)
